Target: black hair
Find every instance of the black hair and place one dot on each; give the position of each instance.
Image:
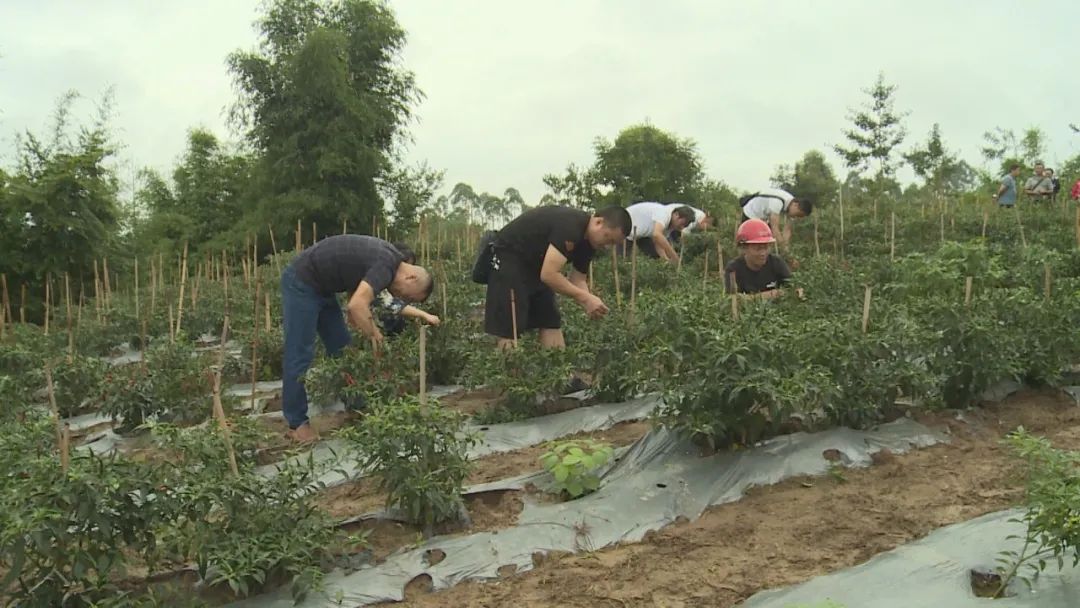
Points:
(686, 213)
(616, 217)
(806, 205)
(406, 252)
(1013, 167)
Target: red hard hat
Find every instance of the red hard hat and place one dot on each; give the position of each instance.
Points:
(754, 231)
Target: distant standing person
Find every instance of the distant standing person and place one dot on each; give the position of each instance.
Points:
(769, 204)
(652, 223)
(1006, 194)
(756, 272)
(1038, 187)
(362, 265)
(1055, 182)
(527, 269)
(1075, 193)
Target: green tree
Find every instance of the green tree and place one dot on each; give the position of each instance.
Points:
(645, 163)
(932, 162)
(59, 210)
(576, 188)
(1033, 145)
(875, 135)
(811, 177)
(325, 101)
(411, 190)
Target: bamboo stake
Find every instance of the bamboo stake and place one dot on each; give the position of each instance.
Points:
(633, 276)
(817, 244)
(866, 311)
(720, 257)
(142, 344)
(705, 273)
(841, 213)
(180, 300)
(314, 234)
(1046, 280)
(273, 242)
(942, 216)
(108, 286)
(153, 287)
(97, 292)
(1023, 239)
(48, 300)
(986, 218)
(423, 365)
(7, 301)
(266, 299)
(615, 270)
(442, 293)
(967, 291)
(67, 306)
(219, 410)
(65, 448)
(892, 237)
(4, 324)
(254, 344)
(592, 286)
(138, 314)
(299, 244)
(50, 389)
(78, 315)
(172, 325)
(161, 271)
(344, 225)
(678, 265)
(513, 316)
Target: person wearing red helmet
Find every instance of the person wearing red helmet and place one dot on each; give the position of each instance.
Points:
(756, 272)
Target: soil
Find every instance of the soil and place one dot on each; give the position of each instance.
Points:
(789, 532)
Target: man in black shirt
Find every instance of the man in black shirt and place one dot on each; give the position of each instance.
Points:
(362, 265)
(527, 269)
(756, 271)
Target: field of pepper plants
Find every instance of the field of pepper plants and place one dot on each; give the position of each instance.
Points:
(197, 499)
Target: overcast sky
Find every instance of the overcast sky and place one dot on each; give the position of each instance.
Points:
(518, 89)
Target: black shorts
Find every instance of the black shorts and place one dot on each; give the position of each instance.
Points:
(534, 302)
(645, 246)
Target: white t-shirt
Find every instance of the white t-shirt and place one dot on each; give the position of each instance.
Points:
(761, 207)
(644, 215)
(698, 215)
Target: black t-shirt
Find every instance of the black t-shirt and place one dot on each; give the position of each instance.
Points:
(528, 236)
(772, 275)
(337, 264)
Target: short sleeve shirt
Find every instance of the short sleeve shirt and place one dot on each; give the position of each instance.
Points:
(772, 275)
(338, 264)
(775, 202)
(1008, 197)
(644, 215)
(529, 235)
(1039, 185)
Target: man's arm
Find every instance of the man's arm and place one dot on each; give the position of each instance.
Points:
(359, 311)
(552, 276)
(579, 279)
(413, 312)
(1001, 190)
(663, 246)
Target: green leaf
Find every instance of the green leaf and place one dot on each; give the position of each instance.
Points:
(561, 472)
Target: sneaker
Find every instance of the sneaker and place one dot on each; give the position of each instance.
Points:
(303, 434)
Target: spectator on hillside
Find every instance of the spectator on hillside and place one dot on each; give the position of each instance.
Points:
(652, 223)
(756, 272)
(526, 269)
(1075, 194)
(1038, 187)
(768, 204)
(1006, 194)
(362, 265)
(1055, 182)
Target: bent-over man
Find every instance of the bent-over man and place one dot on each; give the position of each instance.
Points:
(769, 204)
(652, 223)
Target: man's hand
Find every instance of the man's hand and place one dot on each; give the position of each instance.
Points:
(432, 320)
(594, 306)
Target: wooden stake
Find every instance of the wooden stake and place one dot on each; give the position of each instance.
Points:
(633, 276)
(254, 344)
(153, 287)
(299, 244)
(592, 286)
(48, 300)
(22, 304)
(7, 301)
(892, 237)
(97, 292)
(266, 299)
(138, 314)
(1046, 280)
(866, 311)
(172, 325)
(442, 294)
(942, 216)
(344, 225)
(65, 448)
(841, 213)
(67, 306)
(423, 365)
(513, 316)
(986, 218)
(142, 344)
(682, 247)
(273, 242)
(720, 257)
(314, 233)
(705, 272)
(108, 286)
(967, 292)
(615, 270)
(1023, 239)
(817, 244)
(219, 410)
(180, 300)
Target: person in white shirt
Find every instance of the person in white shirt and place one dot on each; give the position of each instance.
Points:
(769, 204)
(701, 222)
(652, 222)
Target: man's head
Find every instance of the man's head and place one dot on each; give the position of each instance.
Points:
(681, 218)
(1014, 170)
(754, 238)
(800, 207)
(1048, 172)
(608, 226)
(1039, 168)
(412, 283)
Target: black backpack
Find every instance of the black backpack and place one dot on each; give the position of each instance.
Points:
(481, 270)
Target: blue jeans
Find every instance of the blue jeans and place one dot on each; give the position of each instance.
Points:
(305, 313)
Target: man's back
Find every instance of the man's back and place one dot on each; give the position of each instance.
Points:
(770, 201)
